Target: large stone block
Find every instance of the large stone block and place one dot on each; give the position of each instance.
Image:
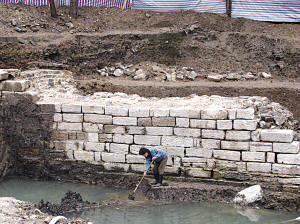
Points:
(159, 131)
(213, 114)
(187, 132)
(135, 130)
(289, 181)
(271, 157)
(286, 147)
(135, 159)
(71, 108)
(185, 112)
(137, 168)
(75, 118)
(231, 114)
(16, 85)
(97, 118)
(94, 146)
(147, 139)
(116, 111)
(125, 121)
(227, 155)
(197, 172)
(116, 167)
(238, 135)
(159, 112)
(57, 117)
(120, 138)
(175, 151)
(172, 170)
(84, 156)
(69, 154)
(118, 148)
(114, 129)
(235, 145)
(211, 143)
(213, 134)
(105, 137)
(69, 126)
(193, 160)
(92, 109)
(261, 146)
(199, 152)
(224, 124)
(230, 165)
(203, 124)
(91, 127)
(259, 167)
(3, 75)
(276, 135)
(182, 122)
(93, 137)
(113, 157)
(249, 125)
(253, 156)
(255, 135)
(139, 112)
(144, 122)
(177, 141)
(163, 121)
(247, 114)
(71, 145)
(289, 158)
(286, 169)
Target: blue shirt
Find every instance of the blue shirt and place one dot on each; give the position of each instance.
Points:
(158, 154)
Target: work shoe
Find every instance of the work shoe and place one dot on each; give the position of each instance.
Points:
(160, 179)
(156, 179)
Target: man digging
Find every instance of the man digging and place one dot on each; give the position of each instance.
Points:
(160, 158)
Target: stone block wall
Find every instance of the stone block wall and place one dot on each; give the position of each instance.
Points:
(206, 143)
(212, 143)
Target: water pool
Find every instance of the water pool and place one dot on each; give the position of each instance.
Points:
(140, 210)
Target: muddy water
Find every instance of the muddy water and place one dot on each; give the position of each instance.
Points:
(140, 210)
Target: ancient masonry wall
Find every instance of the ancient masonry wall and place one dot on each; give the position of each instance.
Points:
(209, 143)
(205, 144)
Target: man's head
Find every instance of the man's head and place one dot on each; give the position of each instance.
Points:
(145, 152)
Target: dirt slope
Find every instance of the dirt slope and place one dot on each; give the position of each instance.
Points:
(206, 42)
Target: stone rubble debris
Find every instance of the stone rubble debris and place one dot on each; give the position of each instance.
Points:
(58, 86)
(159, 72)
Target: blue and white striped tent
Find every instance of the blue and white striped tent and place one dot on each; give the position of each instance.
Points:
(263, 10)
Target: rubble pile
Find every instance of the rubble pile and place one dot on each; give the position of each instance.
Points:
(159, 72)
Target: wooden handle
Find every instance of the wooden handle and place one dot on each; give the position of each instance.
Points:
(143, 177)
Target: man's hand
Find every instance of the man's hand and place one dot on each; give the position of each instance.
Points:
(145, 174)
(153, 158)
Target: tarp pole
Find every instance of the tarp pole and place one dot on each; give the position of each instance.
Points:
(228, 7)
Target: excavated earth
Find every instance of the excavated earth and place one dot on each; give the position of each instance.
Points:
(100, 40)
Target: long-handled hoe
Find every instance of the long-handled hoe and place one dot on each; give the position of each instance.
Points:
(131, 196)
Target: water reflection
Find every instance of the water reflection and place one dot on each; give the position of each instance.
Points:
(140, 210)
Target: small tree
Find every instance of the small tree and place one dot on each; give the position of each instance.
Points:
(53, 9)
(74, 8)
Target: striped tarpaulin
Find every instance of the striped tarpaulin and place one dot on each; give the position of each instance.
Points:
(267, 10)
(81, 3)
(213, 6)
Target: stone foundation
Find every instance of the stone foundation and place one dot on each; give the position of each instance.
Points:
(204, 137)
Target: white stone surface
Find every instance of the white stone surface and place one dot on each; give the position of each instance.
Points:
(214, 114)
(238, 135)
(187, 132)
(235, 145)
(177, 141)
(119, 138)
(259, 167)
(92, 109)
(113, 157)
(94, 146)
(195, 172)
(97, 118)
(249, 195)
(125, 120)
(185, 112)
(261, 146)
(203, 124)
(276, 135)
(249, 125)
(245, 113)
(159, 131)
(286, 147)
(253, 156)
(224, 124)
(139, 112)
(199, 152)
(213, 134)
(211, 143)
(227, 155)
(182, 122)
(71, 108)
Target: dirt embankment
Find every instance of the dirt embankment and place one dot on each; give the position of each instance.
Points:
(206, 42)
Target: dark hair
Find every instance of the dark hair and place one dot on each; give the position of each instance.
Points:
(144, 150)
